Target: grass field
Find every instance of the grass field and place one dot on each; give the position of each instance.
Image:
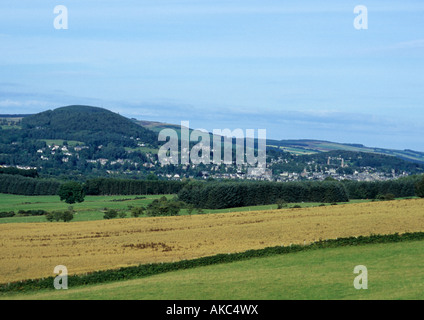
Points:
(92, 207)
(32, 250)
(394, 272)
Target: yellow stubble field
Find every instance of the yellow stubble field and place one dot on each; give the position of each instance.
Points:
(32, 250)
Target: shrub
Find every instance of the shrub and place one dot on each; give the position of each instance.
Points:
(67, 216)
(137, 211)
(5, 214)
(281, 204)
(389, 196)
(110, 214)
(385, 197)
(190, 208)
(163, 207)
(199, 211)
(32, 212)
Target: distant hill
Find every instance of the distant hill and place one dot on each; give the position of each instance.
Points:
(88, 124)
(303, 147)
(91, 141)
(310, 146)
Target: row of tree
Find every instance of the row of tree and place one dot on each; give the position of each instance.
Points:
(16, 184)
(371, 190)
(107, 186)
(32, 173)
(216, 195)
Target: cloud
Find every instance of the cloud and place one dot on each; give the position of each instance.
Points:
(413, 44)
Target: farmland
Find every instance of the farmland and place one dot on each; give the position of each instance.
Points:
(93, 206)
(395, 271)
(32, 250)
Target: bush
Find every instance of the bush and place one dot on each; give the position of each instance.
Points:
(389, 197)
(66, 216)
(281, 204)
(5, 214)
(190, 208)
(385, 197)
(163, 207)
(110, 214)
(26, 213)
(137, 211)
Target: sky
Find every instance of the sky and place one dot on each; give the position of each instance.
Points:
(299, 69)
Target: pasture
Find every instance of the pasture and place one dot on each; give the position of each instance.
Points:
(93, 206)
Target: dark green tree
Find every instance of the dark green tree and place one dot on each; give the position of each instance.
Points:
(419, 188)
(137, 211)
(67, 216)
(71, 192)
(110, 214)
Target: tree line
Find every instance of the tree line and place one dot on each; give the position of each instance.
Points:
(223, 194)
(373, 189)
(16, 184)
(218, 195)
(110, 186)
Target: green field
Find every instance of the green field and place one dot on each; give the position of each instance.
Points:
(60, 142)
(93, 206)
(90, 209)
(394, 272)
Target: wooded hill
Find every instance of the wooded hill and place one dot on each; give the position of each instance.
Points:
(104, 135)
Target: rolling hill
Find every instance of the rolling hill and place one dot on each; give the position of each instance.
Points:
(100, 141)
(301, 147)
(87, 124)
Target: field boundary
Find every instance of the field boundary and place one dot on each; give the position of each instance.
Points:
(146, 270)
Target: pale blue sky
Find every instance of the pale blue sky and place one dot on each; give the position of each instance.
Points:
(296, 68)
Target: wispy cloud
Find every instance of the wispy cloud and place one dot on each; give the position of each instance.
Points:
(419, 43)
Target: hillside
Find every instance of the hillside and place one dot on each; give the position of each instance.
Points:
(91, 125)
(302, 147)
(74, 140)
(87, 141)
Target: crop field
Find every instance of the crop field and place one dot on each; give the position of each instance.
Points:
(32, 250)
(394, 270)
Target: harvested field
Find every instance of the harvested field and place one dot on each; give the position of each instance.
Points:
(32, 250)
